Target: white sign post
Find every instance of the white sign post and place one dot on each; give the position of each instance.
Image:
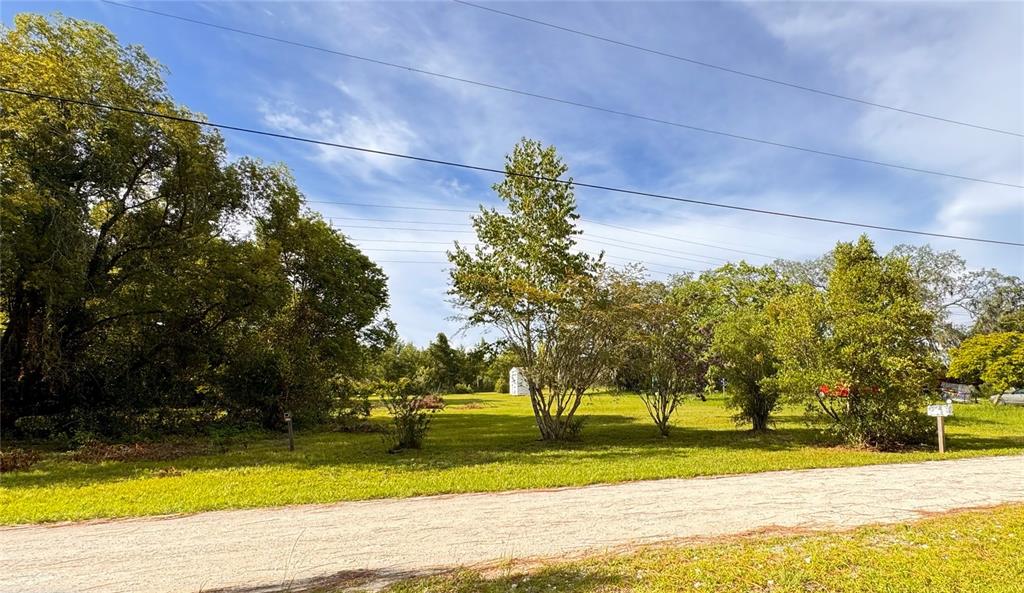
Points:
(940, 411)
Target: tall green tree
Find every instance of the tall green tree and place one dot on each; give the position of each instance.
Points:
(140, 267)
(444, 364)
(948, 286)
(1000, 309)
(858, 353)
(526, 279)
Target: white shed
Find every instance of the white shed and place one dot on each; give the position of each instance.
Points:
(517, 384)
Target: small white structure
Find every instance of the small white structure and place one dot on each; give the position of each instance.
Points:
(517, 384)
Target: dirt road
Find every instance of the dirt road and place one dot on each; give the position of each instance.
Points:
(293, 547)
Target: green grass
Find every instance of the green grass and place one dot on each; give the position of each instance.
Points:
(481, 442)
(977, 551)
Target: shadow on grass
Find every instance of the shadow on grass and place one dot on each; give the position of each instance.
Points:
(464, 438)
(456, 441)
(958, 442)
(573, 580)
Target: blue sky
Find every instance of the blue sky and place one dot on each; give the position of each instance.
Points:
(959, 60)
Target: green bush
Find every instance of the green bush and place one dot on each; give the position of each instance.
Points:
(36, 427)
(411, 407)
(857, 353)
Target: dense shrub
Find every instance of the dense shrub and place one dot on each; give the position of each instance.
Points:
(741, 349)
(411, 407)
(36, 427)
(857, 353)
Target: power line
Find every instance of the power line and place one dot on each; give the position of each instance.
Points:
(421, 262)
(571, 183)
(407, 261)
(670, 238)
(581, 238)
(393, 228)
(398, 221)
(568, 101)
(648, 245)
(582, 219)
(405, 250)
(626, 259)
(359, 240)
(585, 236)
(645, 263)
(751, 75)
(365, 205)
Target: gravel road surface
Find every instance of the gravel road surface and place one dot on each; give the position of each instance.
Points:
(292, 548)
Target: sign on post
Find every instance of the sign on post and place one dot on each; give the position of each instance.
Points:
(940, 411)
(291, 436)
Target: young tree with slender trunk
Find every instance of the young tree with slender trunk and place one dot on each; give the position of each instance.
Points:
(524, 277)
(665, 357)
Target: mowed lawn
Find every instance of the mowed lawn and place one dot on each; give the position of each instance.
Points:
(976, 551)
(481, 442)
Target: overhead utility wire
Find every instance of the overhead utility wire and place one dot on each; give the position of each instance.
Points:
(398, 221)
(446, 268)
(589, 236)
(588, 220)
(572, 183)
(721, 68)
(407, 261)
(582, 238)
(626, 259)
(650, 251)
(569, 101)
(361, 240)
(671, 238)
(396, 228)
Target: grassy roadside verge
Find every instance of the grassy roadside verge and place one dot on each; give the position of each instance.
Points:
(481, 442)
(977, 551)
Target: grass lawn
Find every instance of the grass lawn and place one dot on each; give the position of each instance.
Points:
(977, 551)
(481, 442)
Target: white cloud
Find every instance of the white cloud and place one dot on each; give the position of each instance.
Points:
(954, 60)
(371, 129)
(947, 59)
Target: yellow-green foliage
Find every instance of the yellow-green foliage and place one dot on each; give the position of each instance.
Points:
(996, 359)
(480, 442)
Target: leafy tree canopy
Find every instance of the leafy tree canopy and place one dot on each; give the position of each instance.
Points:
(858, 352)
(551, 303)
(143, 271)
(995, 359)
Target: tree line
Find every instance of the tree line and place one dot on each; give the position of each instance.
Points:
(443, 368)
(150, 283)
(861, 339)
